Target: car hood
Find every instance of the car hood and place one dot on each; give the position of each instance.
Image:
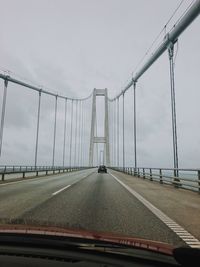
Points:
(89, 235)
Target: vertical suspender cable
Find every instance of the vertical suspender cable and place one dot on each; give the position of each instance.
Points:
(85, 130)
(123, 145)
(110, 123)
(108, 126)
(118, 132)
(54, 137)
(134, 113)
(90, 127)
(75, 145)
(173, 106)
(86, 139)
(114, 133)
(85, 136)
(79, 135)
(82, 136)
(96, 143)
(38, 127)
(3, 113)
(111, 106)
(64, 137)
(71, 132)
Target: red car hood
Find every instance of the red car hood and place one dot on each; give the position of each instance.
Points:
(114, 238)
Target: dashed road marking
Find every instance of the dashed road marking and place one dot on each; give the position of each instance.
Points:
(67, 186)
(188, 238)
(57, 192)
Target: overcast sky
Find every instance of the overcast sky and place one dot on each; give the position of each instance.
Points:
(73, 46)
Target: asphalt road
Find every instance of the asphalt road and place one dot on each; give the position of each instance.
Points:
(84, 200)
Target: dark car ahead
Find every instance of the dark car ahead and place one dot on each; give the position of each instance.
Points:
(102, 168)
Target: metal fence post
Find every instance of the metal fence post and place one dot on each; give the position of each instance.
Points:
(144, 173)
(151, 179)
(161, 179)
(199, 180)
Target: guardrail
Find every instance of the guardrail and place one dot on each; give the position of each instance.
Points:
(180, 178)
(17, 169)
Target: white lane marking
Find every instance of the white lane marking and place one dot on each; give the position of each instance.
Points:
(60, 190)
(55, 193)
(175, 227)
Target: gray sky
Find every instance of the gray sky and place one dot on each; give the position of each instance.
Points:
(73, 46)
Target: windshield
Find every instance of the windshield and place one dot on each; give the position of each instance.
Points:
(99, 128)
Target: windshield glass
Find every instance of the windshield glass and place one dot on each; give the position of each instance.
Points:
(99, 126)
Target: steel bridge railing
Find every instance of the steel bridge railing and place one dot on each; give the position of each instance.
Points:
(6, 170)
(186, 179)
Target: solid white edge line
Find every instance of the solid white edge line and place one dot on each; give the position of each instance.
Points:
(178, 230)
(57, 192)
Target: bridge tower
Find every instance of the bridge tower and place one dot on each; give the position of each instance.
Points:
(99, 139)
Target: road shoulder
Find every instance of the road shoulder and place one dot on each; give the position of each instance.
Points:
(181, 205)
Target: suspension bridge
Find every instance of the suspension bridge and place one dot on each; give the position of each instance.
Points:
(155, 203)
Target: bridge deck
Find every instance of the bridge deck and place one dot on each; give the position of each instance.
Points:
(113, 202)
(181, 205)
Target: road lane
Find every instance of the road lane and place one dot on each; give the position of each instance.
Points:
(17, 198)
(100, 203)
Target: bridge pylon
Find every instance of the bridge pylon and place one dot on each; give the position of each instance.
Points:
(99, 139)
